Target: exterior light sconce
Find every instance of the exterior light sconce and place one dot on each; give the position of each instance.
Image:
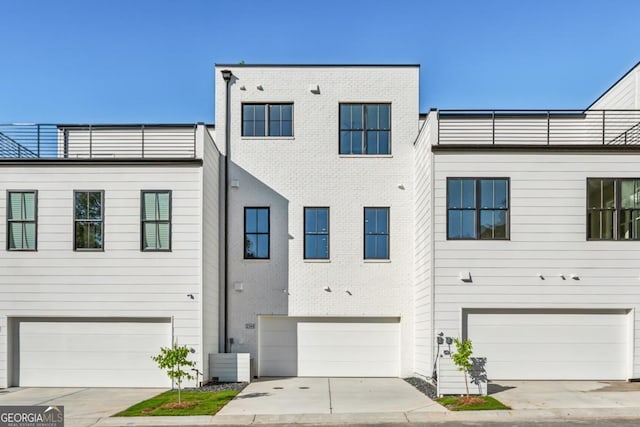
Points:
(238, 286)
(465, 276)
(574, 276)
(401, 186)
(314, 89)
(326, 289)
(541, 276)
(563, 277)
(191, 296)
(243, 87)
(348, 292)
(235, 183)
(259, 87)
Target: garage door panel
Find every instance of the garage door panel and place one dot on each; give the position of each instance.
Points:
(91, 353)
(348, 349)
(551, 344)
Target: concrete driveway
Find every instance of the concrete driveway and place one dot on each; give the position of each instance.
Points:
(82, 406)
(328, 396)
(566, 394)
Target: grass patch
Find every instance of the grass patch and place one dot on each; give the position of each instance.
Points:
(473, 403)
(193, 403)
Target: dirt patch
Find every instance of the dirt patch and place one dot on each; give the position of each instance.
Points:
(470, 400)
(181, 405)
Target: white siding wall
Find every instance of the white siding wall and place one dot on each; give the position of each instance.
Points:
(122, 281)
(288, 174)
(423, 255)
(548, 236)
(210, 247)
(624, 95)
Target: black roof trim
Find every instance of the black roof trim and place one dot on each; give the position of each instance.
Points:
(527, 148)
(129, 125)
(102, 162)
(614, 85)
(314, 65)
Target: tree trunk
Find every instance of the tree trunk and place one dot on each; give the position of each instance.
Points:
(466, 384)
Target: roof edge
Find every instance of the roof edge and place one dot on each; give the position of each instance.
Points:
(315, 65)
(614, 85)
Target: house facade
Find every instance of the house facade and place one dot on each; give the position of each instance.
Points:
(327, 228)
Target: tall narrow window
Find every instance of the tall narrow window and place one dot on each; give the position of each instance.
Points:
(256, 233)
(494, 207)
(267, 119)
(376, 233)
(156, 220)
(365, 128)
(88, 220)
(601, 208)
(316, 233)
(478, 208)
(630, 209)
(21, 221)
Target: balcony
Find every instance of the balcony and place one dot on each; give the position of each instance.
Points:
(100, 142)
(538, 127)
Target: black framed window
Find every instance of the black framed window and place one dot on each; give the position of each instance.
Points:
(478, 208)
(376, 233)
(256, 233)
(613, 209)
(22, 226)
(267, 119)
(88, 220)
(365, 128)
(156, 220)
(316, 233)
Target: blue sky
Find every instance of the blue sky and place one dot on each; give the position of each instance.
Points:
(152, 61)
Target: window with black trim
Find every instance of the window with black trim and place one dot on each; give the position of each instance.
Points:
(267, 119)
(88, 220)
(156, 220)
(478, 208)
(365, 128)
(256, 233)
(613, 209)
(316, 233)
(376, 233)
(22, 226)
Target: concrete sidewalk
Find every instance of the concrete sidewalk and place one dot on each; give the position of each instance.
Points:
(347, 401)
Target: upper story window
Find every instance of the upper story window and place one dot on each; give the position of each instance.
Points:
(478, 208)
(256, 233)
(316, 233)
(613, 209)
(365, 128)
(88, 220)
(267, 119)
(22, 220)
(156, 220)
(376, 233)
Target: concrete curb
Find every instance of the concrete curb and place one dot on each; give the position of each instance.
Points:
(374, 418)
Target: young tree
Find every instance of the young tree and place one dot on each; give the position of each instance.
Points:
(462, 358)
(173, 359)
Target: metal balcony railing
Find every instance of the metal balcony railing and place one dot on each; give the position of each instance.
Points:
(129, 141)
(539, 127)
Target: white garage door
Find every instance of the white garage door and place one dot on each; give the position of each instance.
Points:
(562, 345)
(348, 349)
(89, 353)
(332, 347)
